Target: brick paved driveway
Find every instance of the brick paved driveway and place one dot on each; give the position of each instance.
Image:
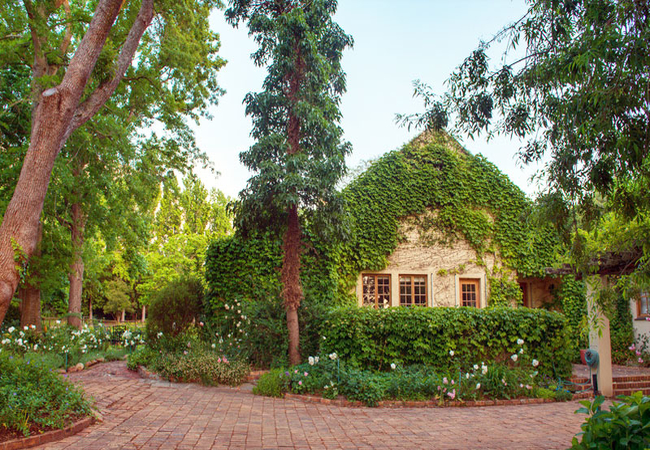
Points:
(145, 414)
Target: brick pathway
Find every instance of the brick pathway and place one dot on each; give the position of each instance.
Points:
(146, 414)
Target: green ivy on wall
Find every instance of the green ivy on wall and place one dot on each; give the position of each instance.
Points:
(471, 200)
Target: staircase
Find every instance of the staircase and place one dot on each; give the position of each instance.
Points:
(624, 385)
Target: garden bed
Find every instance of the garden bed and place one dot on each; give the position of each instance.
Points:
(10, 440)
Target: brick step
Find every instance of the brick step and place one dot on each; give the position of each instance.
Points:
(630, 379)
(579, 380)
(630, 391)
(632, 385)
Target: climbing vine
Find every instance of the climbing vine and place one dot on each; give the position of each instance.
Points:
(470, 199)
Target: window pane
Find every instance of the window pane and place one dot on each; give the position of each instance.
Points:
(369, 290)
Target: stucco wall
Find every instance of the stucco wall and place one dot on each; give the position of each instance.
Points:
(443, 265)
(641, 326)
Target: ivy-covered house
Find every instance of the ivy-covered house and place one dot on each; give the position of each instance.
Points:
(437, 226)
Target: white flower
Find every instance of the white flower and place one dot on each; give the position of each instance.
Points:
(58, 322)
(475, 366)
(324, 338)
(478, 385)
(311, 361)
(214, 346)
(484, 370)
(393, 366)
(535, 363)
(316, 359)
(467, 375)
(26, 328)
(521, 351)
(520, 341)
(11, 329)
(159, 335)
(226, 306)
(451, 353)
(514, 357)
(33, 327)
(333, 356)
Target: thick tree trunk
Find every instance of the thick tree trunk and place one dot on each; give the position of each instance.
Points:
(144, 314)
(56, 115)
(292, 291)
(30, 294)
(123, 316)
(30, 307)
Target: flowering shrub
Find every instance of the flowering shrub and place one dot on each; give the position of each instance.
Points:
(328, 376)
(60, 340)
(32, 396)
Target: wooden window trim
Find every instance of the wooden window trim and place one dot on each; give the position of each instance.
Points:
(643, 296)
(376, 299)
(477, 283)
(426, 288)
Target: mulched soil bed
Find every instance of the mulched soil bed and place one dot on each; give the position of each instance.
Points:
(12, 440)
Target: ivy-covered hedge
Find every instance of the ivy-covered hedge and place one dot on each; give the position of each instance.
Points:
(377, 338)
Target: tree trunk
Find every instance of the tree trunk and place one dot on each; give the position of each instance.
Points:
(144, 313)
(30, 307)
(90, 310)
(123, 315)
(292, 291)
(76, 273)
(30, 294)
(57, 113)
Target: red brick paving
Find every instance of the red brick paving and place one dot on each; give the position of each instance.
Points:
(146, 414)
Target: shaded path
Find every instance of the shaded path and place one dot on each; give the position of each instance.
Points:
(146, 414)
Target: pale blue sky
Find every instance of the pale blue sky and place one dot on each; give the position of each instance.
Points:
(395, 43)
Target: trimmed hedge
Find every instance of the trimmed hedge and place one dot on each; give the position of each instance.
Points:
(376, 338)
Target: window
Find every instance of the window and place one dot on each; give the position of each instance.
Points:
(525, 296)
(643, 305)
(413, 290)
(376, 290)
(470, 294)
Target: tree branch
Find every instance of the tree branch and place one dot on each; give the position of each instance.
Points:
(103, 92)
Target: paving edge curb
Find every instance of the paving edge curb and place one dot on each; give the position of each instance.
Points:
(47, 437)
(420, 404)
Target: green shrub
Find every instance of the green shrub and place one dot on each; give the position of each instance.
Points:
(32, 394)
(625, 426)
(271, 384)
(143, 356)
(175, 307)
(376, 338)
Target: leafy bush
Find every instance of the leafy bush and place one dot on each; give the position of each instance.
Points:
(31, 395)
(259, 329)
(175, 307)
(197, 364)
(376, 338)
(271, 384)
(625, 426)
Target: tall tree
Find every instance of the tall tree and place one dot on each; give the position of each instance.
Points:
(68, 89)
(299, 155)
(574, 82)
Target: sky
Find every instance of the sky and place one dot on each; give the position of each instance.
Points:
(395, 42)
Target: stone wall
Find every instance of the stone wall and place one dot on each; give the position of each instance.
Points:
(443, 263)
